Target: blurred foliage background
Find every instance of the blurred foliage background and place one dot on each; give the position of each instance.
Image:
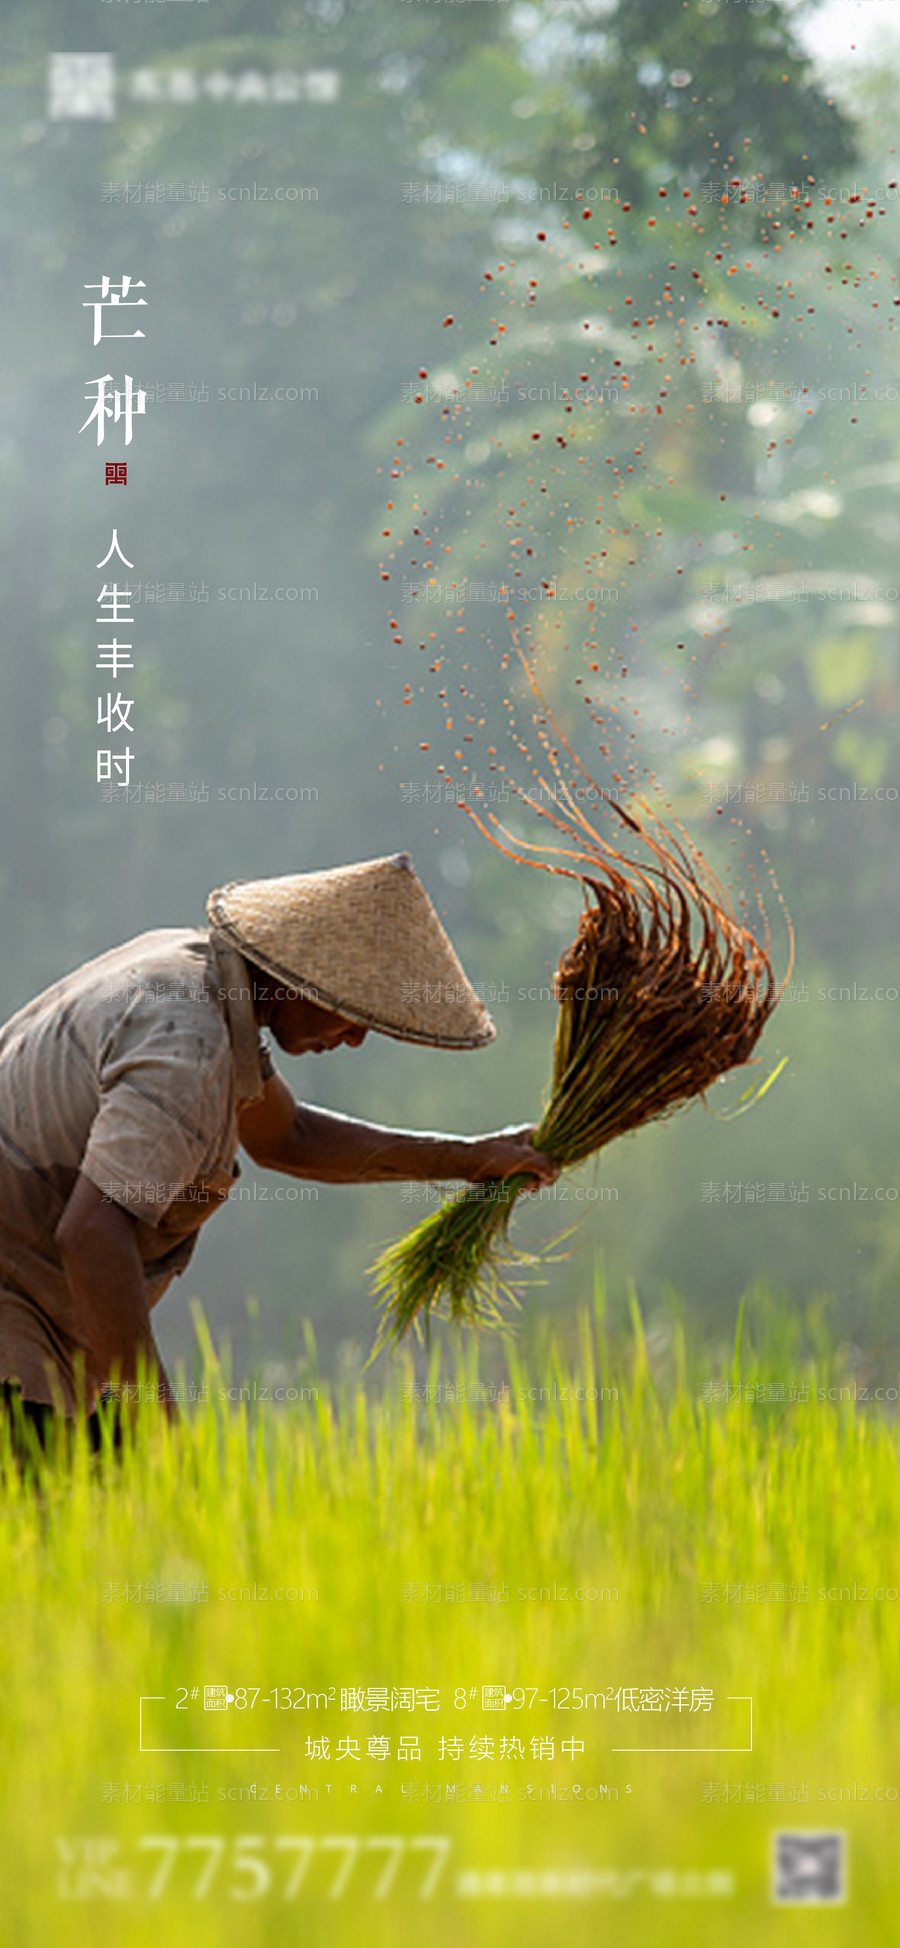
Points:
(751, 555)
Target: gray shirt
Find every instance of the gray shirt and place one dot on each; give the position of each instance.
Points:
(131, 1071)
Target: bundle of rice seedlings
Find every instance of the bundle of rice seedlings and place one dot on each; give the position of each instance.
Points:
(662, 991)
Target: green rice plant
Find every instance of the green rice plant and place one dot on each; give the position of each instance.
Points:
(662, 992)
(635, 1515)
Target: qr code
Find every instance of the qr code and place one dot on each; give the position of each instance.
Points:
(808, 1869)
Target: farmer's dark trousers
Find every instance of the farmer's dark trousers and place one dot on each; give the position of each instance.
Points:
(34, 1423)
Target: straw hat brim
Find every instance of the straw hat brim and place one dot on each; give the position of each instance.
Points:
(363, 941)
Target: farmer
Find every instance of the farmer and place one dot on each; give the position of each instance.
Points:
(126, 1089)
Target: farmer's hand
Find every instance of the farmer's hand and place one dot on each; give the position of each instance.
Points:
(509, 1153)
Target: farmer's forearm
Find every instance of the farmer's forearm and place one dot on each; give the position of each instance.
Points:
(112, 1302)
(339, 1150)
(281, 1134)
(105, 1276)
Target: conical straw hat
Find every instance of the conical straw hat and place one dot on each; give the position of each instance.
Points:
(363, 940)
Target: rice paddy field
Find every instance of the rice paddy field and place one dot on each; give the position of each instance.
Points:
(551, 1656)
